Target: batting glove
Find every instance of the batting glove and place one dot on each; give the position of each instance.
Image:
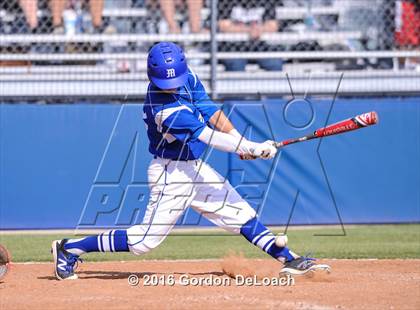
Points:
(265, 150)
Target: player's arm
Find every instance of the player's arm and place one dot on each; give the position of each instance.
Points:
(179, 122)
(227, 138)
(220, 121)
(223, 124)
(229, 143)
(209, 110)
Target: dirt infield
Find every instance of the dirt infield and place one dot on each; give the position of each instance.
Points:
(353, 284)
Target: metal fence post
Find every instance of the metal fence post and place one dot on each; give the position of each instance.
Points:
(213, 49)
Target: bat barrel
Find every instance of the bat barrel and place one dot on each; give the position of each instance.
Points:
(357, 122)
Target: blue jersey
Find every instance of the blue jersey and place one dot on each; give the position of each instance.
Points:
(174, 121)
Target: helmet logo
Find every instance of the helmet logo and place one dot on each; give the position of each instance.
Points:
(170, 73)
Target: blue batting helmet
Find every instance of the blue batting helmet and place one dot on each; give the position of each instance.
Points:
(167, 66)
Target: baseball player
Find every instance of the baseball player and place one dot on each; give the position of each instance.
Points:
(181, 121)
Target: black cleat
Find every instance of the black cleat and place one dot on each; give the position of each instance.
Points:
(303, 265)
(64, 262)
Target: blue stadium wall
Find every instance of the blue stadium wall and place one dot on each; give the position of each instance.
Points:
(84, 165)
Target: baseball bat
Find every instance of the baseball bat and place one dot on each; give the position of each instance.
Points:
(357, 122)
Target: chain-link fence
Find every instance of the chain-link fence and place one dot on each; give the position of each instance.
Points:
(98, 47)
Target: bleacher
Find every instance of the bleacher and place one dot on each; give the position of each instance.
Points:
(113, 64)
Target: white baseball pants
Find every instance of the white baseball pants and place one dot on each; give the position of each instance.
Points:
(176, 185)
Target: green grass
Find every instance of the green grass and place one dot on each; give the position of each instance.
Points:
(375, 241)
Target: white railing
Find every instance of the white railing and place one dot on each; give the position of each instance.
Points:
(283, 37)
(219, 55)
(134, 85)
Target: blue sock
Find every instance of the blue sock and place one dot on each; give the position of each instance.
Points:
(256, 233)
(110, 241)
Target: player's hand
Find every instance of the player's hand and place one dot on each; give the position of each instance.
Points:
(265, 150)
(247, 157)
